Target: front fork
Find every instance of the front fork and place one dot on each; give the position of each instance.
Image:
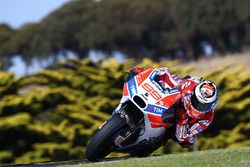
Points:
(129, 134)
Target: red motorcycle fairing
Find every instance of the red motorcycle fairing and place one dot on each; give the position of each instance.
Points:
(156, 99)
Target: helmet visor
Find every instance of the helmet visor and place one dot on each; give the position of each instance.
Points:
(199, 105)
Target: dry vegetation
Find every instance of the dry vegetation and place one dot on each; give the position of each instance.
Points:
(55, 117)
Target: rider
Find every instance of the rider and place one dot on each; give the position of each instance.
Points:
(193, 110)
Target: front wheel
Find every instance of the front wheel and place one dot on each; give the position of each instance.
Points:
(101, 144)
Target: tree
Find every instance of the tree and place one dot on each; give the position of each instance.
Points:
(6, 33)
(155, 29)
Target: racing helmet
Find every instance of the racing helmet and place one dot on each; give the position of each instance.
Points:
(203, 99)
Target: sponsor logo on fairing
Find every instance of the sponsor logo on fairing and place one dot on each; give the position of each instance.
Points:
(132, 90)
(173, 91)
(155, 109)
(132, 87)
(158, 110)
(149, 140)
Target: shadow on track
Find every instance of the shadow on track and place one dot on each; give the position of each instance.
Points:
(54, 164)
(78, 162)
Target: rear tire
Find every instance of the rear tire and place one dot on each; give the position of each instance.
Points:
(101, 143)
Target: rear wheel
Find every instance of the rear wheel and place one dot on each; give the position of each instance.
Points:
(101, 143)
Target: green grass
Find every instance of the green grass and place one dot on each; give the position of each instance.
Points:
(239, 157)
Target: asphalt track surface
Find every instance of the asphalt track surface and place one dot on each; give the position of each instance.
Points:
(59, 163)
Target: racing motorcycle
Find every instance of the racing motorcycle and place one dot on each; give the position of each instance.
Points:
(136, 126)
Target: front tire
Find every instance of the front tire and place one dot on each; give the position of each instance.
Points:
(101, 143)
